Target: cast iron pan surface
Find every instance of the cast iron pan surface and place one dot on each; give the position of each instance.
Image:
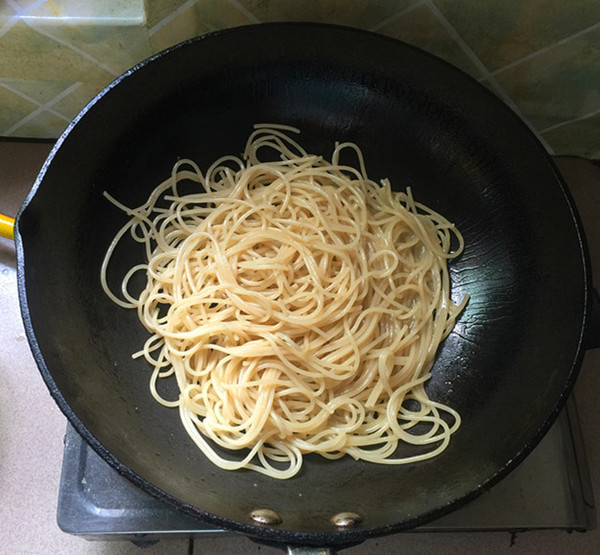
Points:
(507, 366)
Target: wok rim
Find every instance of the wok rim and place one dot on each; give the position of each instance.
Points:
(280, 535)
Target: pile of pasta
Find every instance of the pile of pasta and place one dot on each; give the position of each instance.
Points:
(298, 304)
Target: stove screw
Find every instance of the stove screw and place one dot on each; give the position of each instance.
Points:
(345, 520)
(265, 517)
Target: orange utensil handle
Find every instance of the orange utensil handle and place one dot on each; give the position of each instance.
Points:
(7, 226)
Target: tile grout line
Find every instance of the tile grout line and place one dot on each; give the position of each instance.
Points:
(79, 51)
(8, 25)
(547, 48)
(20, 94)
(398, 15)
(173, 15)
(13, 19)
(42, 108)
(19, 11)
(243, 10)
(573, 120)
(459, 40)
(487, 74)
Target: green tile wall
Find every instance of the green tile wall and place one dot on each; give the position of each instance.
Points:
(542, 57)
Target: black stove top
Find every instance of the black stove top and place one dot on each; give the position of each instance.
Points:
(550, 489)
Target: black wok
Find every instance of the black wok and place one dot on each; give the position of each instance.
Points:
(508, 365)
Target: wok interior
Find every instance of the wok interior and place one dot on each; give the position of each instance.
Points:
(505, 368)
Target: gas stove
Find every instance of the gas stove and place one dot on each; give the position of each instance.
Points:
(550, 489)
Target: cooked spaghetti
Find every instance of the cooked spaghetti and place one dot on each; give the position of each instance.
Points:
(298, 304)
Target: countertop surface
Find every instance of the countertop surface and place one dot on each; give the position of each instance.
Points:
(32, 427)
